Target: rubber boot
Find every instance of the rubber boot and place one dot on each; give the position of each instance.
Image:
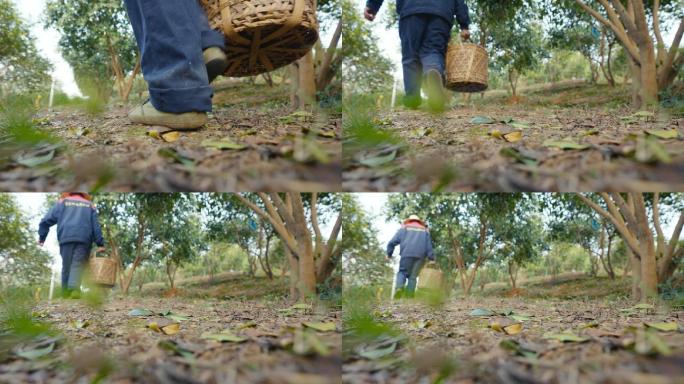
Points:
(434, 87)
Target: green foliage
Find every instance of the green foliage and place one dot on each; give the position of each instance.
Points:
(93, 35)
(517, 46)
(130, 218)
(179, 234)
(22, 68)
(22, 261)
(365, 69)
(363, 258)
(18, 129)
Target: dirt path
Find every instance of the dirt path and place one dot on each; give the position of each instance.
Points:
(251, 147)
(273, 346)
(612, 346)
(457, 151)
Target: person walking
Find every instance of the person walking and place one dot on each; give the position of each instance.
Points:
(415, 245)
(425, 30)
(77, 228)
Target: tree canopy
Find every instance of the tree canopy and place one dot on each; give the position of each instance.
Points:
(22, 68)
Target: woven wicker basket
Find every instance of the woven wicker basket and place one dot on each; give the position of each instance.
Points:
(466, 67)
(103, 271)
(430, 278)
(262, 35)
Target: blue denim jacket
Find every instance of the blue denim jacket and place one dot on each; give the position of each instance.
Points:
(444, 8)
(414, 241)
(76, 220)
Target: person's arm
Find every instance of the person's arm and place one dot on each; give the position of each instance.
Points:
(462, 15)
(48, 221)
(97, 230)
(430, 252)
(396, 240)
(372, 8)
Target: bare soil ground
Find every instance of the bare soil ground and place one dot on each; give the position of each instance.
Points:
(608, 147)
(268, 340)
(607, 341)
(253, 142)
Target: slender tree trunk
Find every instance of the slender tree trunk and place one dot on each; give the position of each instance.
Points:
(142, 225)
(171, 274)
(324, 77)
(610, 270)
(129, 82)
(513, 81)
(609, 65)
(512, 273)
(635, 71)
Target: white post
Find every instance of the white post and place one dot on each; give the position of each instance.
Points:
(52, 286)
(394, 92)
(395, 270)
(52, 93)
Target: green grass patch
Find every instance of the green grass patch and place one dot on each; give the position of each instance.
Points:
(362, 124)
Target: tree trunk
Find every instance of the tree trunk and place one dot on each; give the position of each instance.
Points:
(609, 263)
(649, 78)
(512, 273)
(635, 72)
(129, 82)
(636, 274)
(649, 271)
(294, 275)
(142, 225)
(513, 81)
(631, 29)
(306, 92)
(324, 72)
(171, 274)
(609, 65)
(294, 85)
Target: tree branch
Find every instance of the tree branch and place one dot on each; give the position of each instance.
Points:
(617, 29)
(656, 223)
(617, 222)
(670, 64)
(272, 218)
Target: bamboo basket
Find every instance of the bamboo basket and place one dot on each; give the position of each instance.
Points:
(103, 271)
(430, 278)
(466, 67)
(263, 35)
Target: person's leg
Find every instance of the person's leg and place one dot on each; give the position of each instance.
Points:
(411, 31)
(432, 52)
(213, 46)
(416, 266)
(171, 36)
(80, 256)
(66, 251)
(402, 275)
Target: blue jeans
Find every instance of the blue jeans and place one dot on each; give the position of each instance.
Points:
(424, 40)
(409, 268)
(171, 36)
(74, 258)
